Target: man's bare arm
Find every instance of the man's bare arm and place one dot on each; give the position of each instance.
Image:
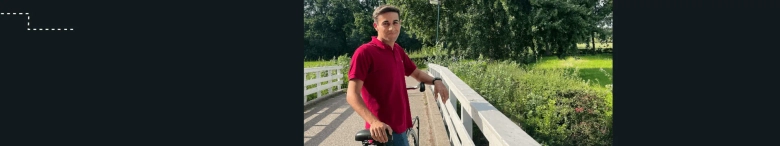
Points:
(356, 101)
(421, 76)
(440, 89)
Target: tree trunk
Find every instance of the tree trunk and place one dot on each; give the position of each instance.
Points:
(548, 50)
(593, 40)
(576, 50)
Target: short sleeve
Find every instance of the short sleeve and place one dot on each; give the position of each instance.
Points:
(409, 66)
(360, 64)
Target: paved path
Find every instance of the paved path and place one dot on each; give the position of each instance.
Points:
(333, 122)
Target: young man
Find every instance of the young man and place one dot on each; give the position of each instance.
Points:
(377, 85)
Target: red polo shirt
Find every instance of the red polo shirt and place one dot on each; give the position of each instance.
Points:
(383, 71)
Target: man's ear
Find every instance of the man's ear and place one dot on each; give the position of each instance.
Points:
(374, 24)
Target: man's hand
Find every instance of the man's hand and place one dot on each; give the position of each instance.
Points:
(438, 85)
(377, 128)
(439, 88)
(378, 132)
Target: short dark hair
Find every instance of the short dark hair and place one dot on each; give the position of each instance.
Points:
(384, 9)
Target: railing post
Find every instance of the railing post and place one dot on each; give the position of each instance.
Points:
(336, 75)
(329, 89)
(453, 100)
(466, 118)
(339, 74)
(319, 84)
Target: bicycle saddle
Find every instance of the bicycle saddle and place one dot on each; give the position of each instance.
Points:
(364, 135)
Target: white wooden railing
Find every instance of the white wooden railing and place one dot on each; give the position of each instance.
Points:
(495, 126)
(334, 80)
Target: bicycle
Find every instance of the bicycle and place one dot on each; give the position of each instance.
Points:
(364, 136)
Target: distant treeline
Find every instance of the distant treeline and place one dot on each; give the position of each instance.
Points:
(499, 29)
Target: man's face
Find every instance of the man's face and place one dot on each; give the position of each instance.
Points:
(388, 26)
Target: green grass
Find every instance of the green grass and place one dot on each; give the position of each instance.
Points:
(426, 52)
(596, 69)
(590, 67)
(598, 45)
(308, 64)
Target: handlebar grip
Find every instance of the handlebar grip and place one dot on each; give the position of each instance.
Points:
(422, 87)
(389, 135)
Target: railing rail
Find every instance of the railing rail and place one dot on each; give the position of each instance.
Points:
(334, 80)
(495, 126)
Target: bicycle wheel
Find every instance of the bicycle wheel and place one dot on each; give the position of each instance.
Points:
(412, 133)
(412, 136)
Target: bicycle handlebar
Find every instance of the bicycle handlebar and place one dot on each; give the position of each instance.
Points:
(421, 86)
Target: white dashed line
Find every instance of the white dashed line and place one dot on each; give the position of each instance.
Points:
(35, 29)
(4, 13)
(58, 29)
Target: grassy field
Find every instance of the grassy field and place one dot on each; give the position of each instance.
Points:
(598, 45)
(307, 64)
(597, 68)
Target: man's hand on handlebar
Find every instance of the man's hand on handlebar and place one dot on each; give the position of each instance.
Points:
(378, 131)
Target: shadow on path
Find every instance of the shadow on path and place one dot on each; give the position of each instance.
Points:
(320, 114)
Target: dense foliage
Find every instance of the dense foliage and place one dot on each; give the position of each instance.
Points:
(520, 30)
(336, 27)
(554, 106)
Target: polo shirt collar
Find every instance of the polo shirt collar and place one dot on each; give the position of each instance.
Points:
(379, 43)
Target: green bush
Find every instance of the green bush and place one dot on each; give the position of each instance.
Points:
(427, 54)
(554, 106)
(344, 61)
